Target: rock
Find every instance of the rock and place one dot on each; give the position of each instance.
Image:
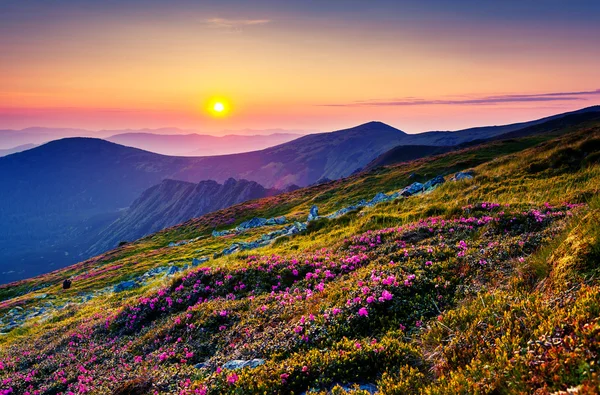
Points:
(125, 285)
(412, 189)
(41, 296)
(216, 233)
(276, 221)
(240, 363)
(231, 249)
(199, 261)
(313, 214)
(171, 244)
(433, 183)
(253, 223)
(172, 270)
(154, 272)
(379, 198)
(463, 175)
(201, 365)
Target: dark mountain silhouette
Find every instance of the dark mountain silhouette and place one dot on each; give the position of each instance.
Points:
(172, 202)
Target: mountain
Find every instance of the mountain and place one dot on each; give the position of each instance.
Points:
(56, 198)
(488, 284)
(485, 132)
(198, 144)
(550, 126)
(172, 202)
(19, 148)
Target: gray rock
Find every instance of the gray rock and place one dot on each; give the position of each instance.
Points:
(231, 249)
(253, 223)
(199, 261)
(434, 182)
(412, 189)
(313, 214)
(379, 198)
(154, 272)
(201, 365)
(172, 270)
(125, 285)
(240, 363)
(463, 175)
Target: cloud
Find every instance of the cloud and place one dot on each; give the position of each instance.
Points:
(235, 23)
(485, 100)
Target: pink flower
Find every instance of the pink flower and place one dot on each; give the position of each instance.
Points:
(232, 378)
(386, 295)
(363, 312)
(223, 313)
(284, 377)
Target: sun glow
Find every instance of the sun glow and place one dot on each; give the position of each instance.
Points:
(218, 107)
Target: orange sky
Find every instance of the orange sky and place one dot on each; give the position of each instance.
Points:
(286, 68)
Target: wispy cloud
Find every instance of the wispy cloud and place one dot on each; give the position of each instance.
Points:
(486, 100)
(235, 23)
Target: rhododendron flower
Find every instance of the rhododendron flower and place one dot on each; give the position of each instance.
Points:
(386, 295)
(363, 312)
(232, 378)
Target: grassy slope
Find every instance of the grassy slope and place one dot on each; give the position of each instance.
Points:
(487, 333)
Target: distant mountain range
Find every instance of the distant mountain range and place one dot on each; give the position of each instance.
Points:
(166, 141)
(200, 144)
(56, 199)
(18, 148)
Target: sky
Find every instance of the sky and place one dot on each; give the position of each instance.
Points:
(302, 65)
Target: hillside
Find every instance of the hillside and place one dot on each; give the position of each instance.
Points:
(487, 284)
(172, 202)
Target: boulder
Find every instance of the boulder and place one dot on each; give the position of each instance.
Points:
(199, 261)
(253, 223)
(172, 270)
(276, 221)
(433, 183)
(313, 214)
(231, 249)
(463, 175)
(240, 363)
(412, 189)
(379, 198)
(201, 365)
(216, 233)
(125, 285)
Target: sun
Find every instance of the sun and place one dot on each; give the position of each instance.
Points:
(218, 107)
